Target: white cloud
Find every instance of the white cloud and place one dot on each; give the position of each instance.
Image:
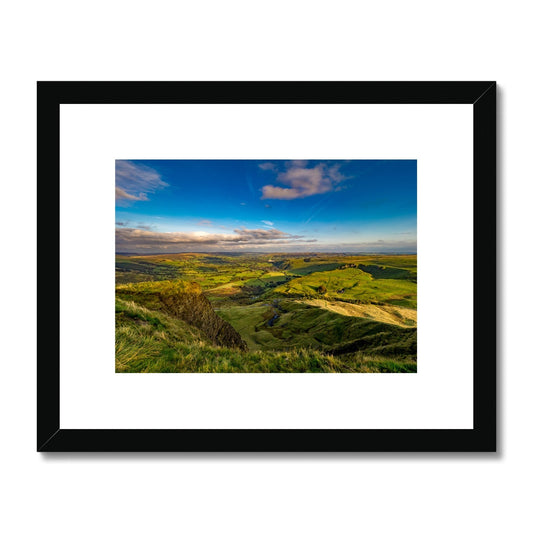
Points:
(134, 181)
(267, 166)
(122, 196)
(267, 222)
(301, 181)
(130, 239)
(296, 163)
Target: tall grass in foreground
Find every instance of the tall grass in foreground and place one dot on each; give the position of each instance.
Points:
(151, 341)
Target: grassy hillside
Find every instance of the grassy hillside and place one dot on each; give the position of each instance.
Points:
(151, 341)
(388, 314)
(270, 313)
(184, 301)
(352, 285)
(301, 325)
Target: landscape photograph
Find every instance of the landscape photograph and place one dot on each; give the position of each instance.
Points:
(269, 266)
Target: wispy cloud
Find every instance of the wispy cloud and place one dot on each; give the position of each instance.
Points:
(135, 181)
(267, 222)
(296, 163)
(381, 245)
(148, 227)
(318, 207)
(301, 181)
(267, 166)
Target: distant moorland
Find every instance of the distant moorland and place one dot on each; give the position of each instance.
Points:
(317, 312)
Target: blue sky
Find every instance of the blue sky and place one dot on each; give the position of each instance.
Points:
(165, 206)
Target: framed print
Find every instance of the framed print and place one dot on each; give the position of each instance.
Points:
(266, 266)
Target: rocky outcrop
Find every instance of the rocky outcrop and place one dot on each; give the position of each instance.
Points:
(184, 301)
(188, 303)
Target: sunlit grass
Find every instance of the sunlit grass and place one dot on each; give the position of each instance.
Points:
(260, 297)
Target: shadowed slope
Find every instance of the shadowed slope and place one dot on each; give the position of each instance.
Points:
(186, 302)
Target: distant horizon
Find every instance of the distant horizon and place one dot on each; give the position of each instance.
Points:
(264, 252)
(244, 206)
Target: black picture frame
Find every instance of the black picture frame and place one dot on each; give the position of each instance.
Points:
(480, 94)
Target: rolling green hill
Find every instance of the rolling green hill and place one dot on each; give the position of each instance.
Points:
(151, 341)
(276, 313)
(301, 325)
(352, 285)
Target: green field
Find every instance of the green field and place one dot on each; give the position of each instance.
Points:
(266, 313)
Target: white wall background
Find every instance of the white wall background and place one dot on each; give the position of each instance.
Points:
(388, 40)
